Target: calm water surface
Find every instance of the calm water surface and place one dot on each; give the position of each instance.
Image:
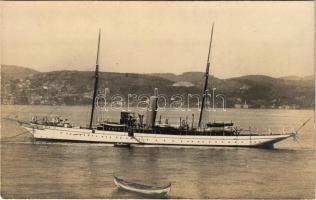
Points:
(64, 170)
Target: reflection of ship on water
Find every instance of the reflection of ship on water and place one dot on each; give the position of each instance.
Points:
(133, 129)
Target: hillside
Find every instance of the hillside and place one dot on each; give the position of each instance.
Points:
(186, 76)
(298, 78)
(9, 72)
(196, 78)
(25, 86)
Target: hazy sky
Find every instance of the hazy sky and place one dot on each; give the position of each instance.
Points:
(270, 38)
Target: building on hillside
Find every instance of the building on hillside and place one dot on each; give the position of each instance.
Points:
(183, 84)
(245, 106)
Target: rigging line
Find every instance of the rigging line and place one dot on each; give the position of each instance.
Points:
(25, 132)
(139, 142)
(303, 125)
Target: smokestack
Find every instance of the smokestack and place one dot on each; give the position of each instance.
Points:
(151, 112)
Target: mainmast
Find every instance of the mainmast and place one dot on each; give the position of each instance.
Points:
(96, 82)
(206, 80)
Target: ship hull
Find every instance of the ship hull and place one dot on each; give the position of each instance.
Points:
(61, 134)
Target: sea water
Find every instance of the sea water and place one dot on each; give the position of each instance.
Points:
(67, 170)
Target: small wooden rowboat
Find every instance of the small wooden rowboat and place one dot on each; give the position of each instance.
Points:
(144, 189)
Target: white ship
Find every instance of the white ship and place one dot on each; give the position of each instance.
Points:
(132, 131)
(53, 133)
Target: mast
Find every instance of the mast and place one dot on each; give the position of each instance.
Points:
(96, 82)
(206, 79)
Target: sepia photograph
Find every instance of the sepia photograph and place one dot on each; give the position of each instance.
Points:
(157, 100)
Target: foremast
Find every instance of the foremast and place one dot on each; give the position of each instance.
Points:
(205, 90)
(96, 82)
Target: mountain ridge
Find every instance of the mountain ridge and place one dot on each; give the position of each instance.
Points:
(169, 76)
(72, 87)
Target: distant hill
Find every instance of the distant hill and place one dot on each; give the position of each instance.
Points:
(298, 78)
(168, 76)
(196, 78)
(293, 78)
(21, 85)
(16, 72)
(308, 78)
(186, 76)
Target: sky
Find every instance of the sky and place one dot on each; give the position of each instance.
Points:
(267, 38)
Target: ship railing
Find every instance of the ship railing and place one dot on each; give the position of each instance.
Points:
(35, 126)
(265, 131)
